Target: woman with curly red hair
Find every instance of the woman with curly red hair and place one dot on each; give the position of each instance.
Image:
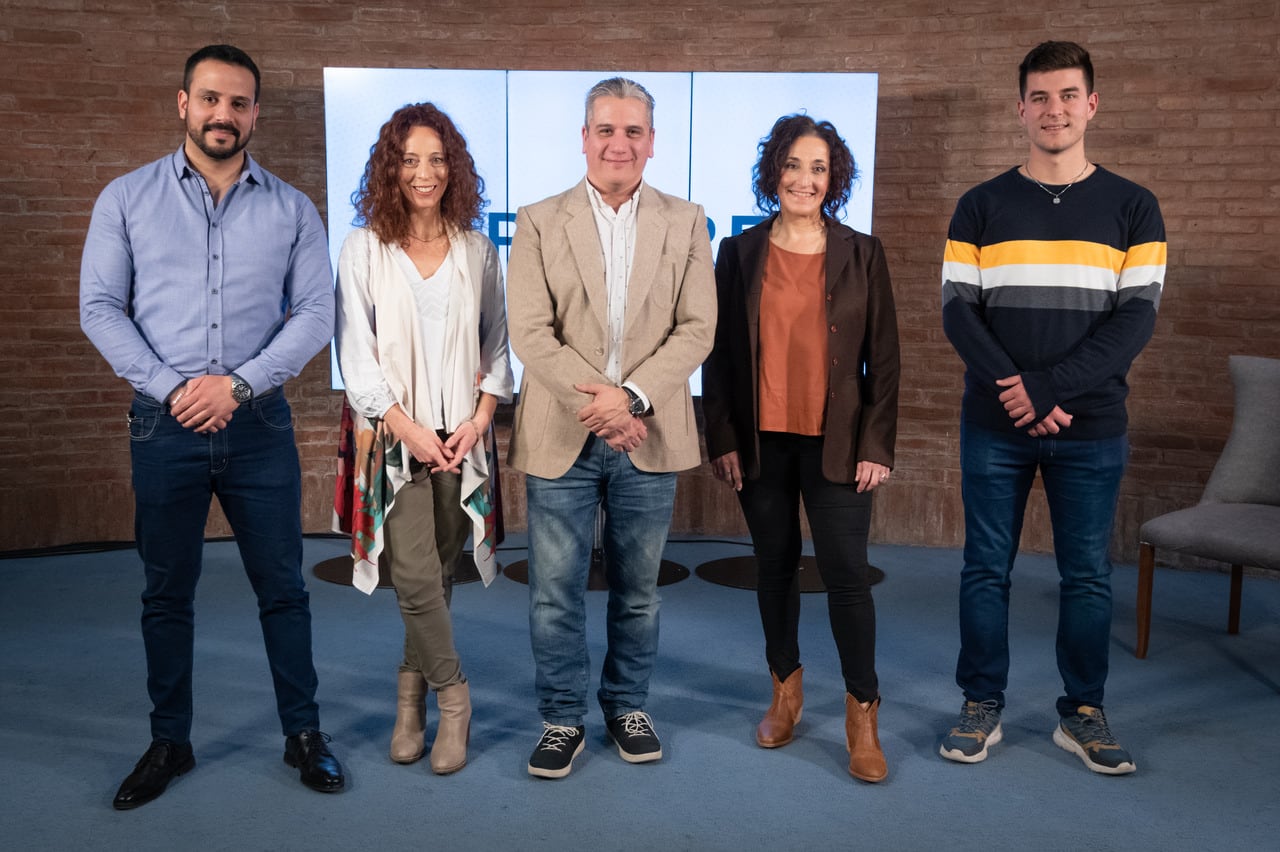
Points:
(422, 344)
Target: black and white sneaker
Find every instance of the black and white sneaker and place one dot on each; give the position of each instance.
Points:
(553, 755)
(636, 739)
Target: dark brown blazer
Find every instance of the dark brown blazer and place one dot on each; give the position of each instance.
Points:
(862, 349)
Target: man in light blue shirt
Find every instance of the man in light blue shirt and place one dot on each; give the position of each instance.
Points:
(206, 284)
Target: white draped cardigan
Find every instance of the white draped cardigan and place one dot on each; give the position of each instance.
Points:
(377, 323)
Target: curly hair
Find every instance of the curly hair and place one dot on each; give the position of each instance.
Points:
(379, 203)
(774, 148)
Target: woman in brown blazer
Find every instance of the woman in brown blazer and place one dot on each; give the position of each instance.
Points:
(801, 399)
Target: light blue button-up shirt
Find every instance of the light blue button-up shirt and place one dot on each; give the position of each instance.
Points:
(172, 287)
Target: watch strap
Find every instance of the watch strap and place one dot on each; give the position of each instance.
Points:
(636, 406)
(241, 391)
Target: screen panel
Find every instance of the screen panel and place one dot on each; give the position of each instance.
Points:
(524, 130)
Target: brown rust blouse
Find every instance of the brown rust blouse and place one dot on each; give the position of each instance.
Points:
(793, 343)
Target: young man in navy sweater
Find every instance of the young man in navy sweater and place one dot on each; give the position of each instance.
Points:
(1051, 280)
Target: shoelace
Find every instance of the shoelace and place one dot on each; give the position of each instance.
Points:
(975, 716)
(637, 723)
(1098, 730)
(158, 754)
(315, 741)
(556, 737)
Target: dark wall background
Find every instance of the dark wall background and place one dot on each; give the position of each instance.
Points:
(1188, 107)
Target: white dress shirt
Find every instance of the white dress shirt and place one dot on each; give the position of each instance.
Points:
(617, 231)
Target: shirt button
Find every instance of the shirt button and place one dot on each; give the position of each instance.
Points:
(835, 362)
(215, 224)
(215, 325)
(828, 297)
(215, 291)
(214, 361)
(833, 328)
(215, 257)
(833, 394)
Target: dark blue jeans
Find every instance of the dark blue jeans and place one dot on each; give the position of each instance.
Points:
(1082, 483)
(252, 467)
(562, 521)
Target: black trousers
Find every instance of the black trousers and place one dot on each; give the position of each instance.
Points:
(839, 518)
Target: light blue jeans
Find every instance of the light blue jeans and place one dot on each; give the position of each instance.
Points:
(1082, 483)
(562, 520)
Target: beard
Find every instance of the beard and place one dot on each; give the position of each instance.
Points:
(214, 151)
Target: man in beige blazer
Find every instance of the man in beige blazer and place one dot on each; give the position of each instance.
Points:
(611, 307)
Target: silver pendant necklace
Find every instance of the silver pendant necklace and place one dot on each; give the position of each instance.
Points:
(1057, 196)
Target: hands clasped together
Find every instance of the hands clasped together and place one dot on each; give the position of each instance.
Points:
(439, 456)
(609, 417)
(1018, 404)
(203, 404)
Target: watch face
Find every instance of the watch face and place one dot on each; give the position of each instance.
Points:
(240, 391)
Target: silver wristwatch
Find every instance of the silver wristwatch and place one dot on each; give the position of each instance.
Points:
(240, 390)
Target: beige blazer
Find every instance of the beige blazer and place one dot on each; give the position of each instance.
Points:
(558, 322)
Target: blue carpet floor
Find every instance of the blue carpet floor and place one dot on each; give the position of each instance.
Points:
(1197, 715)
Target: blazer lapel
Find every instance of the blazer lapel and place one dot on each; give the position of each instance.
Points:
(754, 254)
(651, 234)
(755, 246)
(839, 256)
(584, 241)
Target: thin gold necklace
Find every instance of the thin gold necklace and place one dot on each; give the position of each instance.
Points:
(414, 236)
(1057, 196)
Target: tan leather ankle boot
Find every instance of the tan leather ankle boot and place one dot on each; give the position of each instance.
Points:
(778, 725)
(449, 751)
(866, 760)
(411, 718)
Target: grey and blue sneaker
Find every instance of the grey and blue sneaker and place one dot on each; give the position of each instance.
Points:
(1088, 736)
(977, 729)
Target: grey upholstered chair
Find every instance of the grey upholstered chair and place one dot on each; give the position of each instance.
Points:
(1238, 518)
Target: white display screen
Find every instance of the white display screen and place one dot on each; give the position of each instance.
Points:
(524, 130)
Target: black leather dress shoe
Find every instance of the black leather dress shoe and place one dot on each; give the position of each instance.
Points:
(318, 767)
(163, 762)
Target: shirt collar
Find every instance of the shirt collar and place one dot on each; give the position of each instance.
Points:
(182, 169)
(625, 212)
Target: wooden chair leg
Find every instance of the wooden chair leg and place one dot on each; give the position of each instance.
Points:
(1233, 608)
(1146, 575)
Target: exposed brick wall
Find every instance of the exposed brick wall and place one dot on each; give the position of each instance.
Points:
(1188, 107)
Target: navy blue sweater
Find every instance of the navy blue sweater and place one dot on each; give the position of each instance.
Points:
(1064, 295)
